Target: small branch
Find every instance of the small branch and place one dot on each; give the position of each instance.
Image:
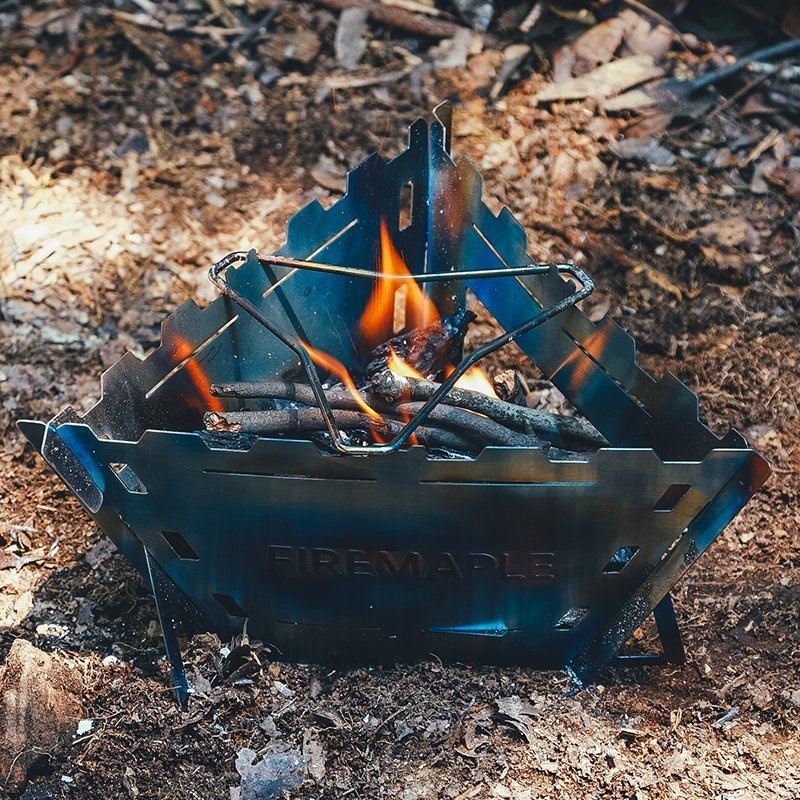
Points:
(253, 32)
(309, 420)
(532, 17)
(560, 430)
(391, 389)
(398, 18)
(467, 423)
(464, 423)
(715, 76)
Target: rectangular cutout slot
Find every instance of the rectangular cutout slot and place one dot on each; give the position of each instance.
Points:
(180, 546)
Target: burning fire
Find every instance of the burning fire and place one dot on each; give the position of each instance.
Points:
(400, 367)
(376, 323)
(185, 352)
(340, 371)
(475, 380)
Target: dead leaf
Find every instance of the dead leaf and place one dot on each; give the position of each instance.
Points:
(329, 174)
(764, 168)
(518, 713)
(598, 45)
(642, 38)
(645, 150)
(605, 81)
(634, 100)
(314, 756)
(669, 95)
(563, 64)
(292, 47)
(9, 560)
(788, 178)
(330, 718)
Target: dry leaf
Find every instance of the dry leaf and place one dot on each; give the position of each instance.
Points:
(598, 45)
(605, 81)
(788, 178)
(633, 100)
(518, 713)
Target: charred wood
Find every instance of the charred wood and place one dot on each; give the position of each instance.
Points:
(428, 350)
(391, 389)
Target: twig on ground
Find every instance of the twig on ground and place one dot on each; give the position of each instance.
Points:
(532, 17)
(764, 54)
(399, 18)
(253, 32)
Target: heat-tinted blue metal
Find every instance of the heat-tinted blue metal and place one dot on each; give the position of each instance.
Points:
(403, 554)
(342, 557)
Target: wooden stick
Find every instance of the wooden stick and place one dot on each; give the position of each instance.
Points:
(392, 388)
(309, 420)
(464, 423)
(468, 423)
(398, 18)
(558, 429)
(764, 54)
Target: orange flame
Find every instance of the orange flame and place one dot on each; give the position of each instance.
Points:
(375, 326)
(379, 313)
(400, 367)
(183, 351)
(476, 380)
(340, 371)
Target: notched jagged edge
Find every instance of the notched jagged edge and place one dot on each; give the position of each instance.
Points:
(671, 406)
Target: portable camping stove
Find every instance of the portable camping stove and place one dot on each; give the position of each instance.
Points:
(388, 551)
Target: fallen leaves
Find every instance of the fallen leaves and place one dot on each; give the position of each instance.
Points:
(605, 81)
(788, 179)
(519, 714)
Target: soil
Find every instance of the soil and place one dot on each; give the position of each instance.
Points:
(122, 180)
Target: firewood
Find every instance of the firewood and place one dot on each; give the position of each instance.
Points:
(428, 350)
(389, 389)
(560, 430)
(308, 420)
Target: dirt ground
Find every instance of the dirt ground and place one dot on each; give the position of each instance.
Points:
(128, 163)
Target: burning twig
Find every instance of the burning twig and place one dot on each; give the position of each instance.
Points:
(426, 350)
(392, 388)
(560, 430)
(308, 420)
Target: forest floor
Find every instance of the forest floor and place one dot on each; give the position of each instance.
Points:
(128, 163)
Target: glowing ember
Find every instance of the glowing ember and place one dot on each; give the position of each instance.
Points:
(376, 321)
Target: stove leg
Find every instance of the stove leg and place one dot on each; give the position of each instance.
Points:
(166, 608)
(669, 632)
